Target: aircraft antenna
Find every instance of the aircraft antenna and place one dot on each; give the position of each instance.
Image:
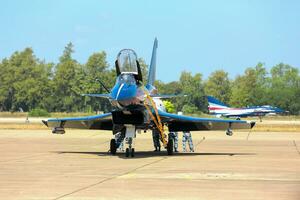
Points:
(102, 84)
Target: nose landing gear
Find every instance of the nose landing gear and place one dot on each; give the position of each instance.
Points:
(129, 150)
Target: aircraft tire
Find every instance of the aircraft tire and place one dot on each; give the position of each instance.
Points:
(127, 152)
(170, 147)
(132, 152)
(113, 147)
(229, 132)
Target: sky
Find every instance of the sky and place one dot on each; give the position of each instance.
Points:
(196, 36)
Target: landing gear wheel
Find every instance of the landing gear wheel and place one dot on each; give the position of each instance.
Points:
(132, 152)
(170, 147)
(229, 132)
(127, 152)
(113, 146)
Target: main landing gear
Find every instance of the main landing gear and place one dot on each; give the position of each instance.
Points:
(170, 147)
(229, 130)
(129, 141)
(113, 146)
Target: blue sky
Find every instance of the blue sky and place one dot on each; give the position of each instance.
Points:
(197, 36)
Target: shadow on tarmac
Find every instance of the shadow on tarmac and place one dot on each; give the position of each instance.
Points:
(146, 154)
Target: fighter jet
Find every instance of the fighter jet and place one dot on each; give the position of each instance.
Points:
(219, 109)
(138, 108)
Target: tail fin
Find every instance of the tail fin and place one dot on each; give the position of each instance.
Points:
(152, 69)
(215, 104)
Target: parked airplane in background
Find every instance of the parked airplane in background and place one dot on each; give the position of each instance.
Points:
(139, 108)
(220, 109)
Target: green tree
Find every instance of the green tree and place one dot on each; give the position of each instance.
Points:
(96, 68)
(193, 87)
(219, 86)
(6, 89)
(169, 106)
(68, 81)
(250, 88)
(284, 88)
(189, 109)
(25, 80)
(144, 69)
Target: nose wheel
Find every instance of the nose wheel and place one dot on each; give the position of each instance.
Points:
(129, 152)
(129, 139)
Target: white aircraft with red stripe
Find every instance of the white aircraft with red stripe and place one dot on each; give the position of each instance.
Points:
(220, 109)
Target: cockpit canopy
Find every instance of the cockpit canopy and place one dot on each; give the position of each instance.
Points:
(127, 61)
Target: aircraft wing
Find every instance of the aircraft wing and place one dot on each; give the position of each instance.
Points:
(101, 122)
(186, 123)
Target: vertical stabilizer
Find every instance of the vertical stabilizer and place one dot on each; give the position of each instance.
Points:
(152, 69)
(214, 104)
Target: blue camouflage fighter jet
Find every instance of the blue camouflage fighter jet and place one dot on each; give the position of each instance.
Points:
(138, 107)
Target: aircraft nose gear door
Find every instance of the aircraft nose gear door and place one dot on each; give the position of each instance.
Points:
(129, 138)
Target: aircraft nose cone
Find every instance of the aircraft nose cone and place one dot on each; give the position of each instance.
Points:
(124, 92)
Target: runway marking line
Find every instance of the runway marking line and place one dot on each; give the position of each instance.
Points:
(213, 176)
(295, 144)
(25, 157)
(111, 178)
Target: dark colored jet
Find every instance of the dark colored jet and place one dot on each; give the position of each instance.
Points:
(138, 107)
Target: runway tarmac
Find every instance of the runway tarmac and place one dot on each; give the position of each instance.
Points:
(34, 164)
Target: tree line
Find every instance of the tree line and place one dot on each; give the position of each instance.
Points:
(27, 83)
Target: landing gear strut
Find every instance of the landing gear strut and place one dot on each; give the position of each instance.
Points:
(129, 136)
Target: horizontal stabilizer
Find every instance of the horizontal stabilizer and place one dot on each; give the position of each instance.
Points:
(97, 95)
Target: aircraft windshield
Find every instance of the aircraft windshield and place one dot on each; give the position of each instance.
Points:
(127, 61)
(127, 78)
